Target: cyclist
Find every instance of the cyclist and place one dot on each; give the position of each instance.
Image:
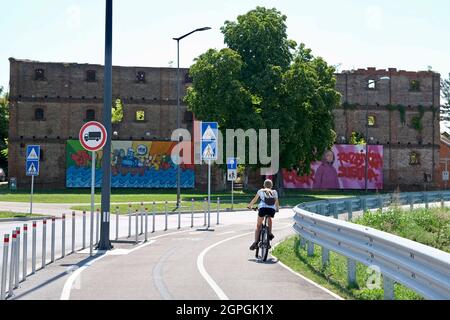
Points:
(268, 205)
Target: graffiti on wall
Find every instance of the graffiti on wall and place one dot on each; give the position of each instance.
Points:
(134, 164)
(342, 167)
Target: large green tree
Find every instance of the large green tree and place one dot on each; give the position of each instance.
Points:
(4, 125)
(263, 80)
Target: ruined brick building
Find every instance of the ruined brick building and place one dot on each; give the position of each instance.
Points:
(49, 102)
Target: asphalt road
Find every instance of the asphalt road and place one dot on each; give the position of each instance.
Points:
(183, 264)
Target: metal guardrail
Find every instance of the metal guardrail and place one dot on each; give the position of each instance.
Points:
(423, 269)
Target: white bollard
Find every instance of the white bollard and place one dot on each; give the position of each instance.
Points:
(129, 220)
(84, 230)
(117, 223)
(25, 252)
(218, 210)
(192, 213)
(12, 263)
(142, 217)
(137, 226)
(52, 242)
(44, 243)
(91, 234)
(63, 243)
(4, 266)
(17, 267)
(33, 250)
(166, 217)
(73, 232)
(97, 226)
(146, 224)
(154, 216)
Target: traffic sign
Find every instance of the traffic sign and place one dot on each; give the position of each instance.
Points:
(232, 163)
(232, 174)
(93, 136)
(209, 134)
(32, 160)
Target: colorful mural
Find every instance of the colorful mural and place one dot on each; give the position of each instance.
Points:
(134, 164)
(342, 167)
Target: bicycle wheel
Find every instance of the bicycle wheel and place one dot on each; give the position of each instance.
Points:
(265, 244)
(259, 243)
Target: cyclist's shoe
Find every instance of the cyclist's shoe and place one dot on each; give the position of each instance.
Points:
(253, 246)
(271, 236)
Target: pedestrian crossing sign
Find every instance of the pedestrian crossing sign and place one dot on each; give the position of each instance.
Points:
(209, 150)
(32, 160)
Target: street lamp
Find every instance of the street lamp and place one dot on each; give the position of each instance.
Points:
(178, 100)
(366, 167)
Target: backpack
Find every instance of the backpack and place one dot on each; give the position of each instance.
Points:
(269, 198)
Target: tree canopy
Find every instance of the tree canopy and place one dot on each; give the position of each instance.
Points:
(4, 126)
(263, 80)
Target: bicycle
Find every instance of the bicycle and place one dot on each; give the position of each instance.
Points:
(262, 249)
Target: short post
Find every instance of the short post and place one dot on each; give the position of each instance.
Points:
(84, 230)
(52, 242)
(154, 216)
(380, 203)
(351, 272)
(137, 226)
(442, 201)
(17, 267)
(25, 252)
(73, 232)
(129, 221)
(334, 210)
(218, 210)
(91, 235)
(411, 202)
(4, 266)
(192, 213)
(364, 204)
(117, 223)
(166, 217)
(205, 208)
(349, 210)
(425, 196)
(142, 217)
(310, 248)
(325, 257)
(302, 243)
(12, 263)
(97, 226)
(44, 242)
(179, 216)
(63, 240)
(388, 286)
(146, 225)
(33, 249)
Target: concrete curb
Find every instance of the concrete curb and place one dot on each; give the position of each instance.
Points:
(25, 219)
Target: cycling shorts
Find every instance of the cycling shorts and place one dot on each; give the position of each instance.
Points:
(262, 212)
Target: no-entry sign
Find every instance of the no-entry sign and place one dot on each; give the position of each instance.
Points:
(93, 136)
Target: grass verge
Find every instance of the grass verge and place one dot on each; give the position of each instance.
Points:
(5, 215)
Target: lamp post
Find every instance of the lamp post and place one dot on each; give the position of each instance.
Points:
(178, 100)
(366, 166)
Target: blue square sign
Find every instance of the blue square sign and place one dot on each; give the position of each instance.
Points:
(231, 163)
(209, 131)
(209, 150)
(32, 160)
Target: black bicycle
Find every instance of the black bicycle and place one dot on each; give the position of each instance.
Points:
(262, 249)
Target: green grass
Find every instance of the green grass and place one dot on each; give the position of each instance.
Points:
(334, 275)
(83, 196)
(4, 215)
(427, 226)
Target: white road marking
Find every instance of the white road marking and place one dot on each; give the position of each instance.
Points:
(229, 232)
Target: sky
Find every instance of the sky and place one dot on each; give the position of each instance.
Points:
(403, 34)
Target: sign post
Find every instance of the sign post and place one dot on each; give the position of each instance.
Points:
(209, 134)
(232, 176)
(32, 168)
(93, 137)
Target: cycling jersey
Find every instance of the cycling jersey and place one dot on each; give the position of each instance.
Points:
(262, 204)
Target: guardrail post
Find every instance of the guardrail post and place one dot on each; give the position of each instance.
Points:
(25, 252)
(425, 198)
(325, 257)
(192, 213)
(146, 225)
(97, 226)
(334, 210)
(33, 249)
(129, 220)
(142, 217)
(351, 272)
(302, 243)
(165, 216)
(44, 242)
(137, 225)
(154, 215)
(310, 248)
(73, 232)
(52, 242)
(63, 240)
(117, 223)
(349, 210)
(411, 202)
(4, 266)
(204, 210)
(179, 216)
(363, 204)
(17, 267)
(84, 230)
(12, 263)
(218, 210)
(388, 286)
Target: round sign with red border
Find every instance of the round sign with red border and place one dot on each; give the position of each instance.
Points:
(93, 136)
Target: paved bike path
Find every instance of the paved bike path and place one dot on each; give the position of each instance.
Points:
(168, 269)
